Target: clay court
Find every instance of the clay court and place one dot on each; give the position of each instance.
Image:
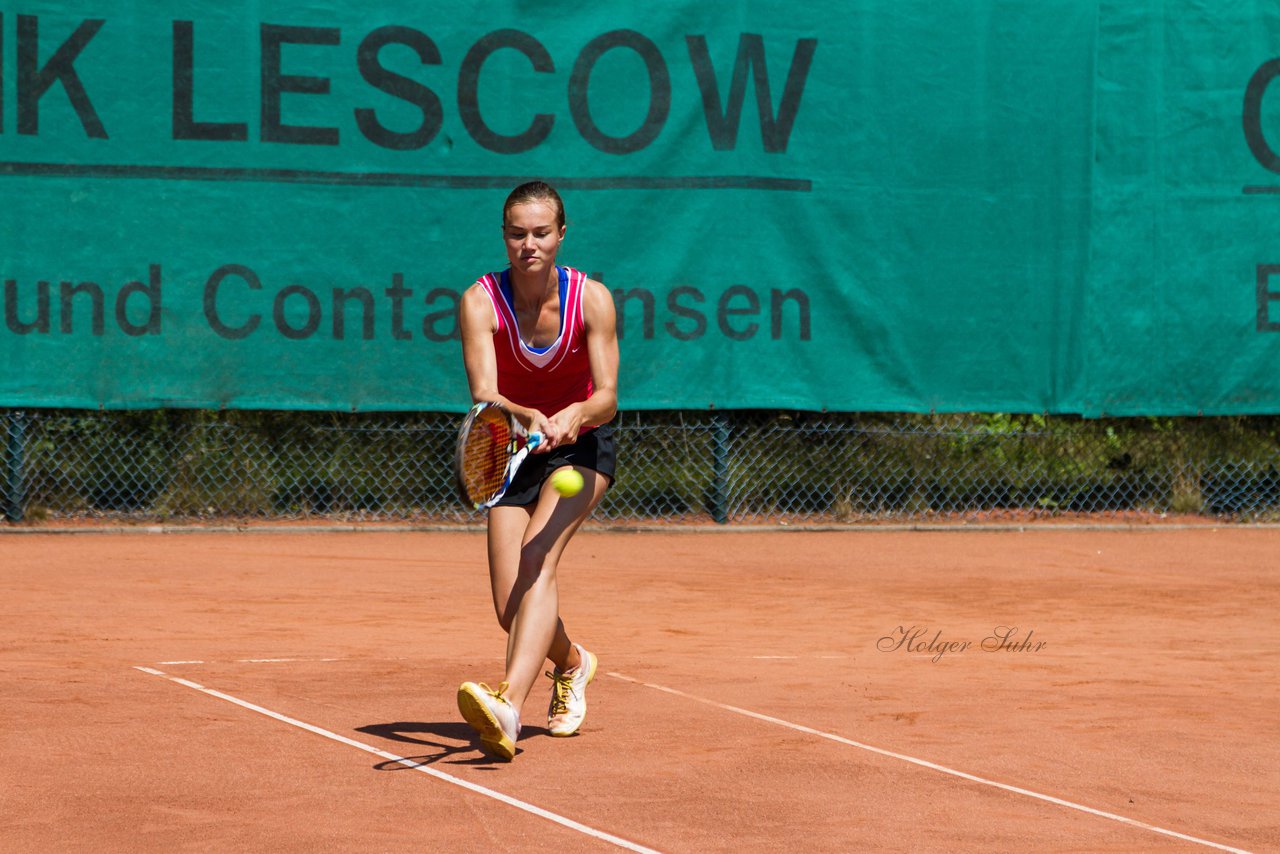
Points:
(759, 691)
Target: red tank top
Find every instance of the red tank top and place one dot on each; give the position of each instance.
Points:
(543, 378)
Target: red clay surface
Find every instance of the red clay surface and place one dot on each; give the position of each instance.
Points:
(1153, 696)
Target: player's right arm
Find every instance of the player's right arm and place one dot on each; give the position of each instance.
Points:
(478, 323)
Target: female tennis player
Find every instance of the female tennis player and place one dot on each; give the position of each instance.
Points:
(541, 340)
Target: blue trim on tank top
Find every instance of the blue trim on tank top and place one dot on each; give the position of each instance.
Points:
(504, 284)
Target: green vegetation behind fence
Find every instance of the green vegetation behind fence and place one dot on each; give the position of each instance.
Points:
(731, 467)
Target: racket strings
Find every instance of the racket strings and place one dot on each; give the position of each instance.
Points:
(485, 456)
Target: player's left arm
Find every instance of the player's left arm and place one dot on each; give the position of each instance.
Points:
(600, 319)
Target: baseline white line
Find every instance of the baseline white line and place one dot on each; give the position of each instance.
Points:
(285, 660)
(931, 765)
(408, 763)
(265, 661)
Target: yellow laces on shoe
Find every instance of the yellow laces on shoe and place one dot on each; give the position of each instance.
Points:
(562, 690)
(502, 689)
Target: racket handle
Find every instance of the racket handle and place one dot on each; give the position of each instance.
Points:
(535, 439)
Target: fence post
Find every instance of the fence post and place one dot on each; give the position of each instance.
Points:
(720, 468)
(14, 500)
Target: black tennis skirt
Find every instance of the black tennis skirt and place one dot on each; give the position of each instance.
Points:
(593, 450)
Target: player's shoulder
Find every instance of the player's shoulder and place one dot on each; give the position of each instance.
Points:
(477, 299)
(593, 291)
(588, 284)
(597, 304)
(481, 288)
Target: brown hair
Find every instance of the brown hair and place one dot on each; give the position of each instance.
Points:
(535, 191)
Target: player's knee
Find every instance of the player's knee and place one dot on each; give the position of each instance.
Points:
(533, 564)
(505, 619)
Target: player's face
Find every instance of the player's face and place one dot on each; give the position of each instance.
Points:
(532, 236)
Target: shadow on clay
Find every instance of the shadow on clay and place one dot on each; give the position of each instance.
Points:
(451, 740)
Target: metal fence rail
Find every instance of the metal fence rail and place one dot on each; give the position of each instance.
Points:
(739, 467)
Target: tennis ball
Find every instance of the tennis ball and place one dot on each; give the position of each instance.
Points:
(566, 481)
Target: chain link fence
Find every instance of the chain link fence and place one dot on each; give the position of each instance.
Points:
(729, 468)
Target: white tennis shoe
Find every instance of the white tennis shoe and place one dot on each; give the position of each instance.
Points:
(491, 715)
(569, 695)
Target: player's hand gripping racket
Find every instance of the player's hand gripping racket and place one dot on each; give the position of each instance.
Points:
(491, 446)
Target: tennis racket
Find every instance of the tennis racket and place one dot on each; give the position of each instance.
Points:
(491, 446)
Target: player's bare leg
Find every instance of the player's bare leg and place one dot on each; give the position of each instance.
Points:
(507, 526)
(524, 585)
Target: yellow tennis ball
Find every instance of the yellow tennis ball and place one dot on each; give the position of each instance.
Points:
(566, 481)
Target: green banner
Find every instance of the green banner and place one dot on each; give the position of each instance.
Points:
(1182, 306)
(897, 206)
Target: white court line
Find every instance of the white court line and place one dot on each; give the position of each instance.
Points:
(408, 763)
(284, 660)
(926, 764)
(261, 661)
